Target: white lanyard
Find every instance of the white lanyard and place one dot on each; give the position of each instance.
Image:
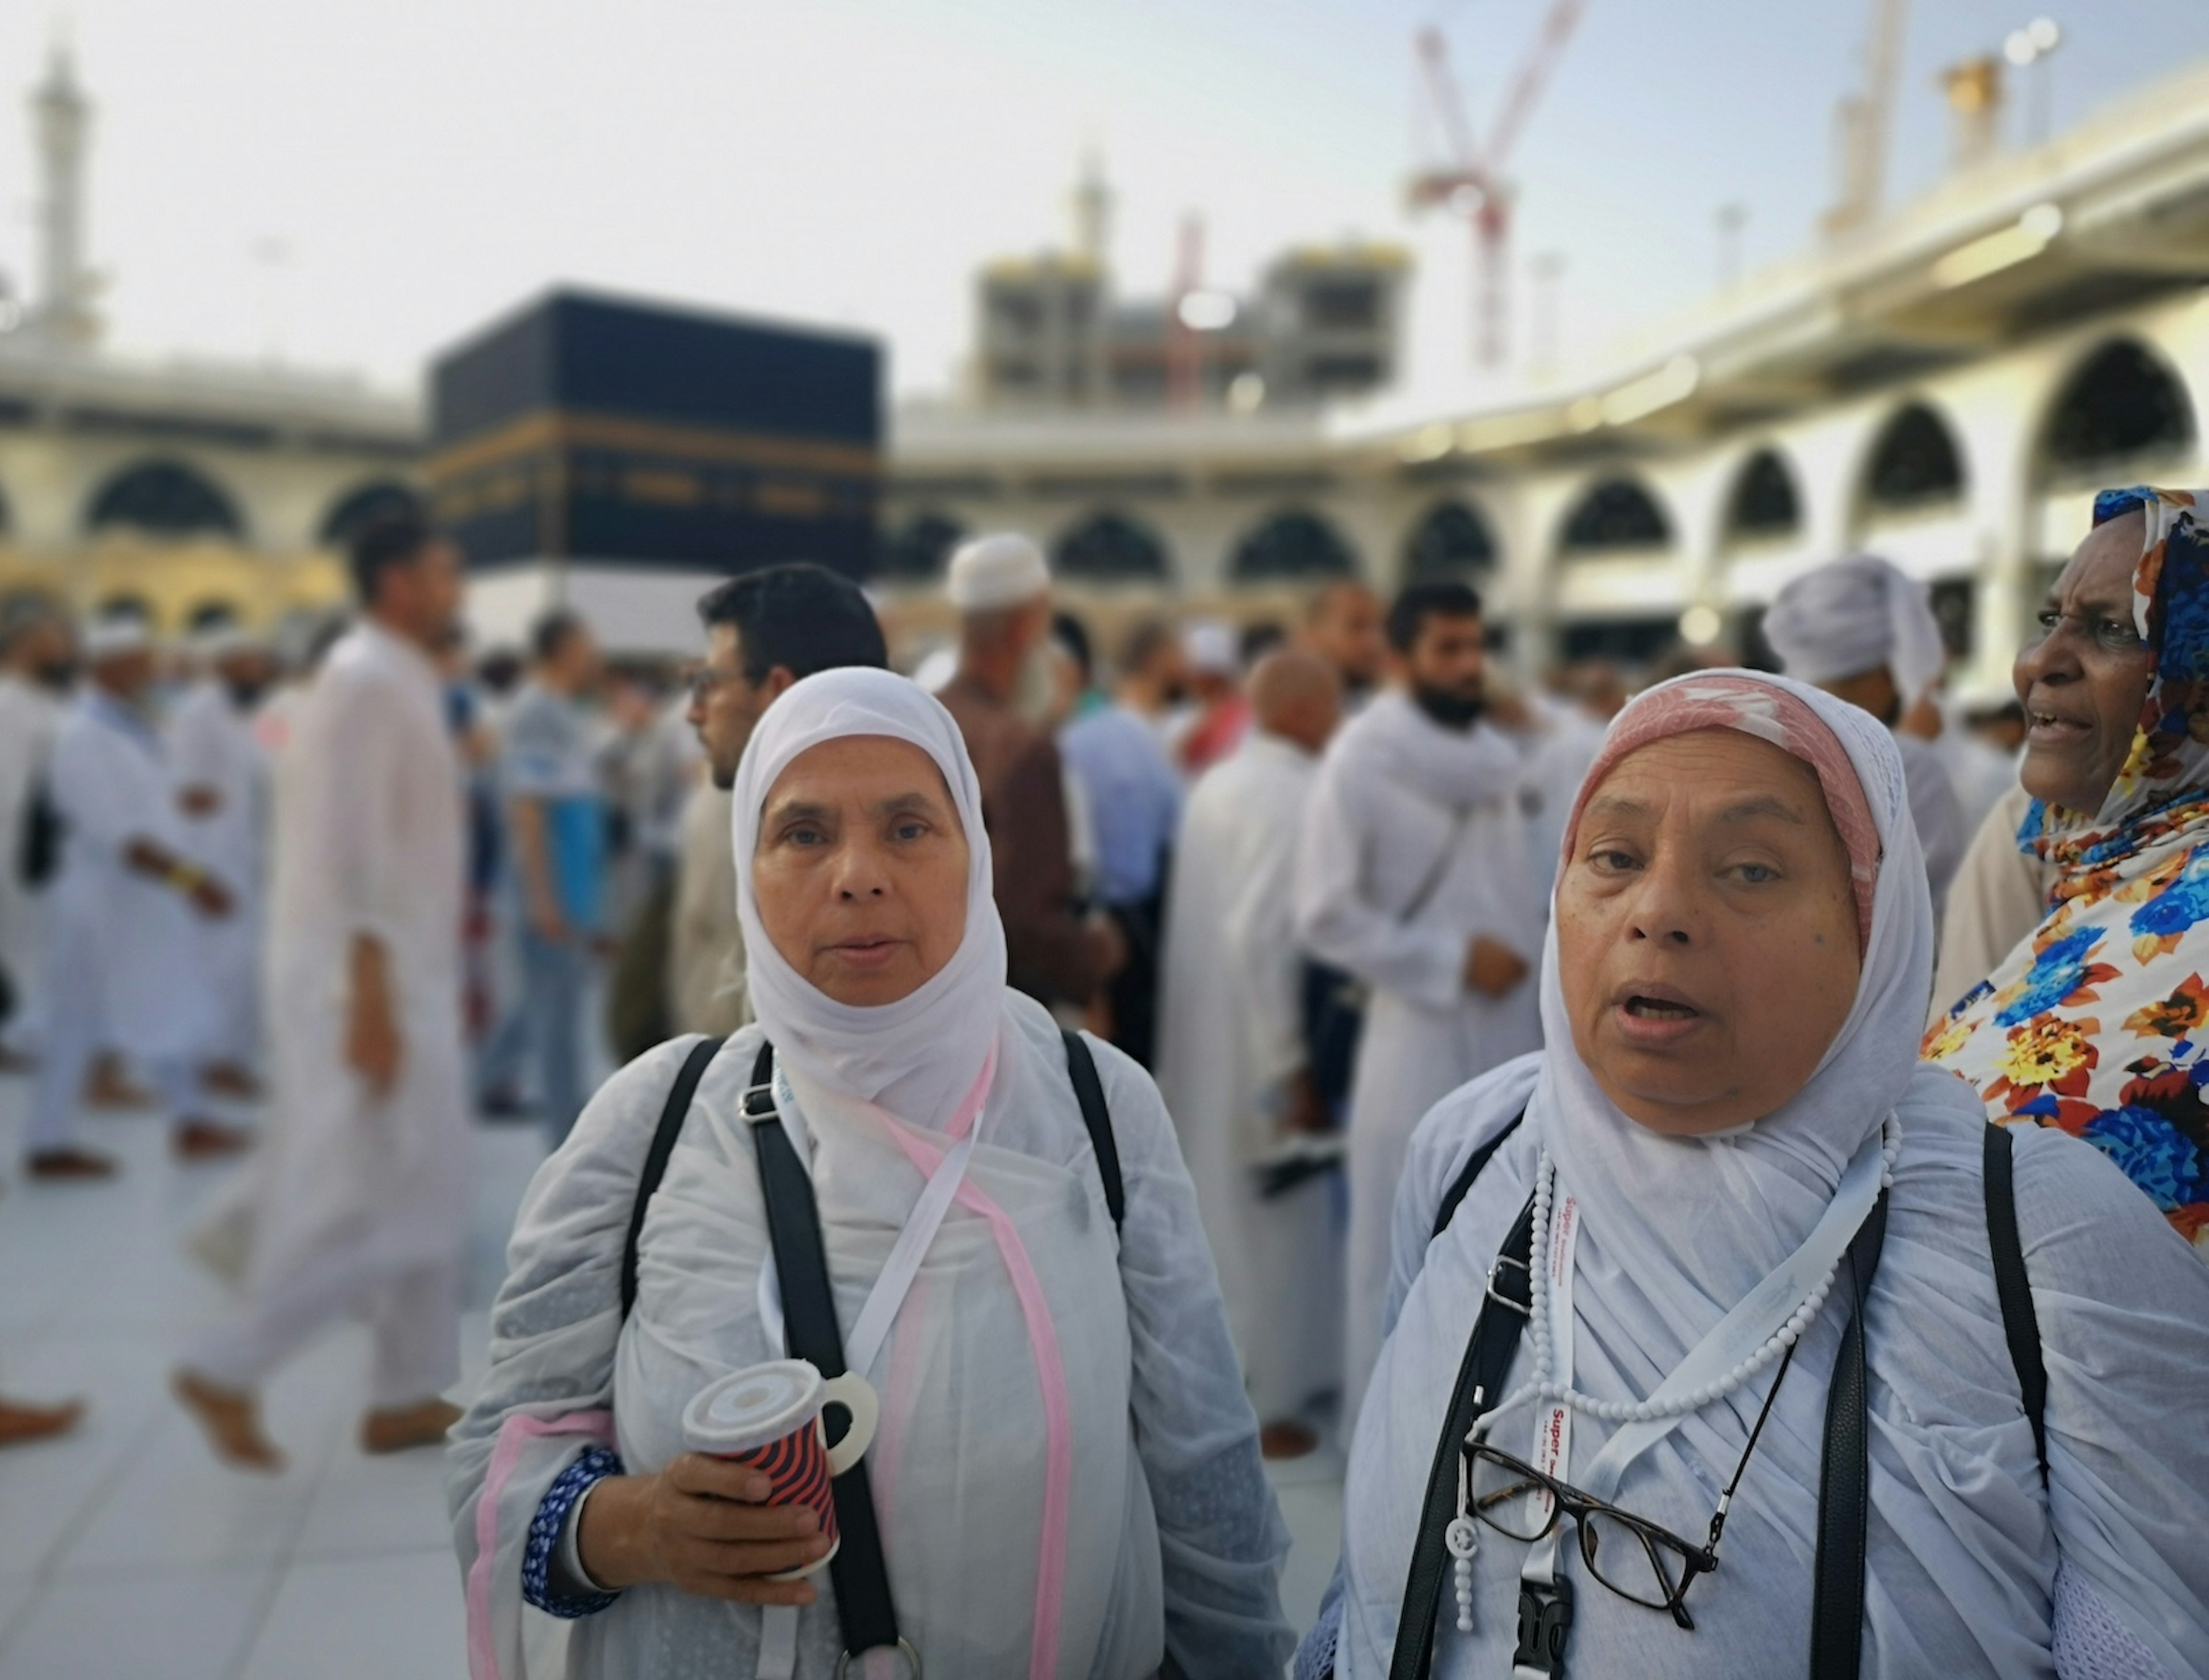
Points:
(1754, 1319)
(778, 1653)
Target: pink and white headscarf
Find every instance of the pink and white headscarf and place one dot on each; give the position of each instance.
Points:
(1774, 710)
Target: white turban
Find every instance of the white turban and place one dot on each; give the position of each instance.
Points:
(989, 573)
(117, 633)
(1854, 615)
(1209, 646)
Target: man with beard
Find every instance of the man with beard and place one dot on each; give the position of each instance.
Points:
(222, 772)
(1411, 878)
(1002, 591)
(1343, 627)
(765, 631)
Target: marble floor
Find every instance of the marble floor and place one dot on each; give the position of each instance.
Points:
(127, 1553)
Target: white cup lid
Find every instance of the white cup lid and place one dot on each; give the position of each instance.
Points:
(750, 1407)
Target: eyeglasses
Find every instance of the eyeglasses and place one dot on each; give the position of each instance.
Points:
(2111, 635)
(703, 680)
(1642, 1563)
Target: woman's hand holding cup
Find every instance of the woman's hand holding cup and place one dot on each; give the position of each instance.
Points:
(702, 1525)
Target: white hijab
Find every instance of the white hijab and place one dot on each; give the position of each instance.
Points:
(1676, 1231)
(1699, 1222)
(920, 1056)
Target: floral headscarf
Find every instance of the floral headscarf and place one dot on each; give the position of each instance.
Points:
(2098, 1021)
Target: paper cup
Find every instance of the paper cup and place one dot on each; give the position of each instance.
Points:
(768, 1416)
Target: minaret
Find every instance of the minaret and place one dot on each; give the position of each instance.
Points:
(1092, 211)
(61, 120)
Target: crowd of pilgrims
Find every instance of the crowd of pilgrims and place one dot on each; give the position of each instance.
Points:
(1750, 1118)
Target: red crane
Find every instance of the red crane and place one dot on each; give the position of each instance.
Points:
(1470, 180)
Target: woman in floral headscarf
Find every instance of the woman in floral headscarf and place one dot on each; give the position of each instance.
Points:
(2096, 1024)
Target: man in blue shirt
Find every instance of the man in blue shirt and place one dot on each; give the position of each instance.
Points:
(557, 818)
(1135, 802)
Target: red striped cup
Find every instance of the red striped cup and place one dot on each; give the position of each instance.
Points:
(768, 1416)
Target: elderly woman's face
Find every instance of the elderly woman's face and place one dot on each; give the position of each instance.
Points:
(860, 871)
(2084, 676)
(1706, 934)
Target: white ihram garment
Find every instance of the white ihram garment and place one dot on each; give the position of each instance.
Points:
(29, 715)
(1412, 845)
(1065, 1471)
(1231, 1038)
(119, 943)
(212, 746)
(1963, 1545)
(360, 1202)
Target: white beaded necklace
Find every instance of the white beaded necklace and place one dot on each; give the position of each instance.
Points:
(1463, 1541)
(1541, 1387)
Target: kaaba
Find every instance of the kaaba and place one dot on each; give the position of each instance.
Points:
(615, 456)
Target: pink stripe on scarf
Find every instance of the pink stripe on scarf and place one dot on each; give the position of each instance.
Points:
(514, 1434)
(925, 1154)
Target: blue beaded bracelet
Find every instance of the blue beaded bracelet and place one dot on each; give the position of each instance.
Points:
(595, 1465)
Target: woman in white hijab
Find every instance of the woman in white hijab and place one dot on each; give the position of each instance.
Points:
(1736, 966)
(1065, 1472)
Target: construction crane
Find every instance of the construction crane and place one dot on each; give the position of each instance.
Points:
(1472, 182)
(1864, 119)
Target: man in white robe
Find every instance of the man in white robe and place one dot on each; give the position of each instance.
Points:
(222, 772)
(360, 1206)
(1865, 631)
(119, 934)
(35, 670)
(1232, 1061)
(1412, 877)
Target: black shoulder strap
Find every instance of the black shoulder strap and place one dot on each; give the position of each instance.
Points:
(864, 1604)
(2014, 1289)
(1488, 1354)
(671, 1116)
(1089, 1091)
(1458, 1185)
(1844, 1478)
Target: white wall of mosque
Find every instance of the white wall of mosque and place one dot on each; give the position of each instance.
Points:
(2018, 507)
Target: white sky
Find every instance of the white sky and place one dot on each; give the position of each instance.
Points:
(426, 164)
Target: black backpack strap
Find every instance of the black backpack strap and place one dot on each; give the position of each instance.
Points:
(1844, 1478)
(1458, 1185)
(1089, 1091)
(2013, 1288)
(862, 1580)
(671, 1116)
(1488, 1354)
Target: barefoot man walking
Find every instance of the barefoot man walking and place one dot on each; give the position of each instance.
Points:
(360, 1208)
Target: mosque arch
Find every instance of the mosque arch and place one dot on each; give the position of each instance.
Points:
(213, 613)
(126, 604)
(919, 549)
(2122, 403)
(1454, 540)
(1293, 547)
(166, 499)
(1109, 548)
(1914, 462)
(1614, 513)
(1765, 503)
(379, 499)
